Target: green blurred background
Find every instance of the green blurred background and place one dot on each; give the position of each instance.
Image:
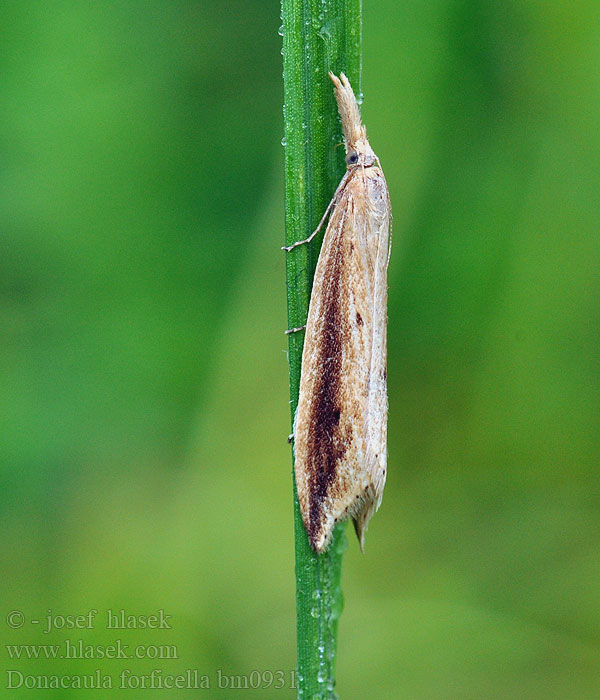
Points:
(144, 374)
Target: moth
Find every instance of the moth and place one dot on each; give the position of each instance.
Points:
(340, 427)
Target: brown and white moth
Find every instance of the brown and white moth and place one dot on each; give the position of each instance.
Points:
(340, 429)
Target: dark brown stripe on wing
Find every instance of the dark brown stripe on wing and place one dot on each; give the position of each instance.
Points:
(325, 444)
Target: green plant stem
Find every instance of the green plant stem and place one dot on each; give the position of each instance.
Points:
(318, 36)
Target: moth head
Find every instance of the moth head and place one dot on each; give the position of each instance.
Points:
(358, 150)
(359, 154)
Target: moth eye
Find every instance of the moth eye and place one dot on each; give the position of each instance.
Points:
(352, 158)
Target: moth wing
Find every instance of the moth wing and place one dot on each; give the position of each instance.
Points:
(379, 242)
(339, 443)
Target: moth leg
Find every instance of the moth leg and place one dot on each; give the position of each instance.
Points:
(340, 187)
(295, 330)
(291, 436)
